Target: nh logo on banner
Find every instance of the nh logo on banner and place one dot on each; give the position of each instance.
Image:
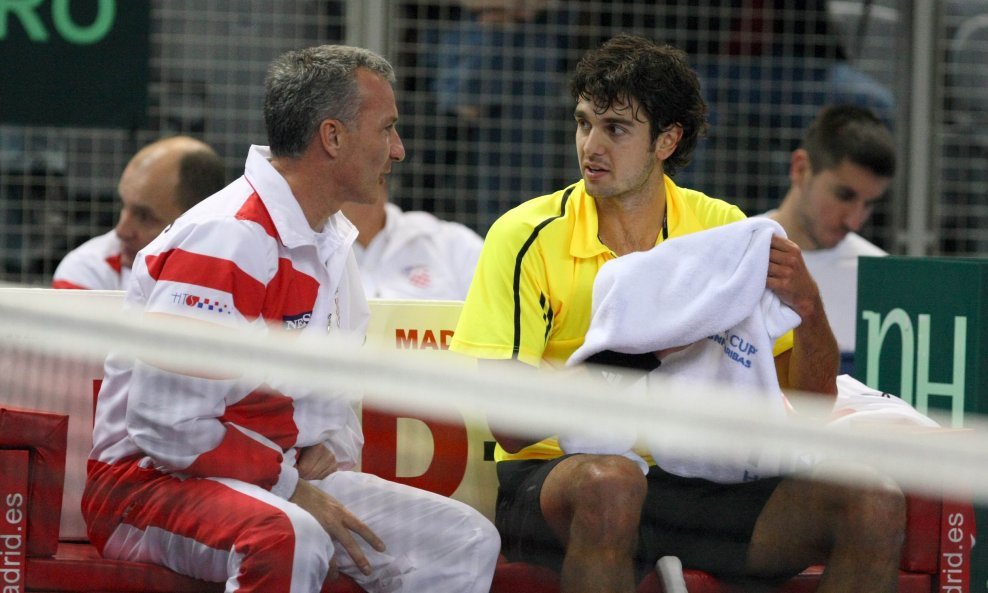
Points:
(916, 353)
(922, 332)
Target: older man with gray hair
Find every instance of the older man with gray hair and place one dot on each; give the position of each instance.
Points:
(251, 483)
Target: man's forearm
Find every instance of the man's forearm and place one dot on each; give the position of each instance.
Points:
(815, 358)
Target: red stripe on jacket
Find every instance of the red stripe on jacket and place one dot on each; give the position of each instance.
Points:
(114, 262)
(268, 413)
(239, 457)
(178, 265)
(295, 291)
(66, 285)
(255, 211)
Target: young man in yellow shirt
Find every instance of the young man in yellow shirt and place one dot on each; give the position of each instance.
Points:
(597, 518)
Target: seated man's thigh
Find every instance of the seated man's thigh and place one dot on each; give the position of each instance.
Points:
(434, 542)
(706, 524)
(191, 526)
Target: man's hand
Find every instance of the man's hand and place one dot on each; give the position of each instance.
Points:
(812, 363)
(315, 462)
(790, 280)
(338, 523)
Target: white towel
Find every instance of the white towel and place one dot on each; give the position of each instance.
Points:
(860, 405)
(706, 290)
(611, 439)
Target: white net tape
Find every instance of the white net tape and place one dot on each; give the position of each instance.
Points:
(710, 423)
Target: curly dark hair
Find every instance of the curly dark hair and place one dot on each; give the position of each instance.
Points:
(657, 77)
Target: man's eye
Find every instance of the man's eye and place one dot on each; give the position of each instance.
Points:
(147, 218)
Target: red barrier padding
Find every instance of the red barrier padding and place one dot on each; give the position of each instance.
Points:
(921, 550)
(78, 568)
(43, 434)
(520, 577)
(809, 580)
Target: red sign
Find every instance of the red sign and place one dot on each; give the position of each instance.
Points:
(13, 518)
(957, 534)
(449, 462)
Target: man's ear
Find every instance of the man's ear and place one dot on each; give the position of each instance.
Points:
(667, 141)
(332, 133)
(799, 166)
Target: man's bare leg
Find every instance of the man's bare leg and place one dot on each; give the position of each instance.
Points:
(594, 503)
(857, 532)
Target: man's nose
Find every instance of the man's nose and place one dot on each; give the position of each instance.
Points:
(125, 225)
(592, 142)
(397, 148)
(856, 216)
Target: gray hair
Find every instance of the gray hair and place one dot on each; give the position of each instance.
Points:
(306, 86)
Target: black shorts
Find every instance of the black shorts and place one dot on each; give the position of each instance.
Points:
(706, 524)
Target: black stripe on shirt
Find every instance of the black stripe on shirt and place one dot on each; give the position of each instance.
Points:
(521, 256)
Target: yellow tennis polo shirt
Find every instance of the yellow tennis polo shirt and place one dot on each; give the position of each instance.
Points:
(531, 294)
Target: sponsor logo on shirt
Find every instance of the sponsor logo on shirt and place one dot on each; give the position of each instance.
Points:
(418, 276)
(198, 302)
(295, 322)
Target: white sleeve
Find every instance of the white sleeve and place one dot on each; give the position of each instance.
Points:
(463, 247)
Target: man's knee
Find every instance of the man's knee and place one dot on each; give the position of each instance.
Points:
(880, 509)
(872, 508)
(473, 533)
(606, 486)
(605, 478)
(486, 541)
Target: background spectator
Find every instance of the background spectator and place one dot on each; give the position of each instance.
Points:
(161, 181)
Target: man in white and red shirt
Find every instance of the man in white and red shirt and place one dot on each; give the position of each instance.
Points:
(253, 484)
(412, 255)
(161, 181)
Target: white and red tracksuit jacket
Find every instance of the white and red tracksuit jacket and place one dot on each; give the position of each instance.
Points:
(246, 256)
(94, 265)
